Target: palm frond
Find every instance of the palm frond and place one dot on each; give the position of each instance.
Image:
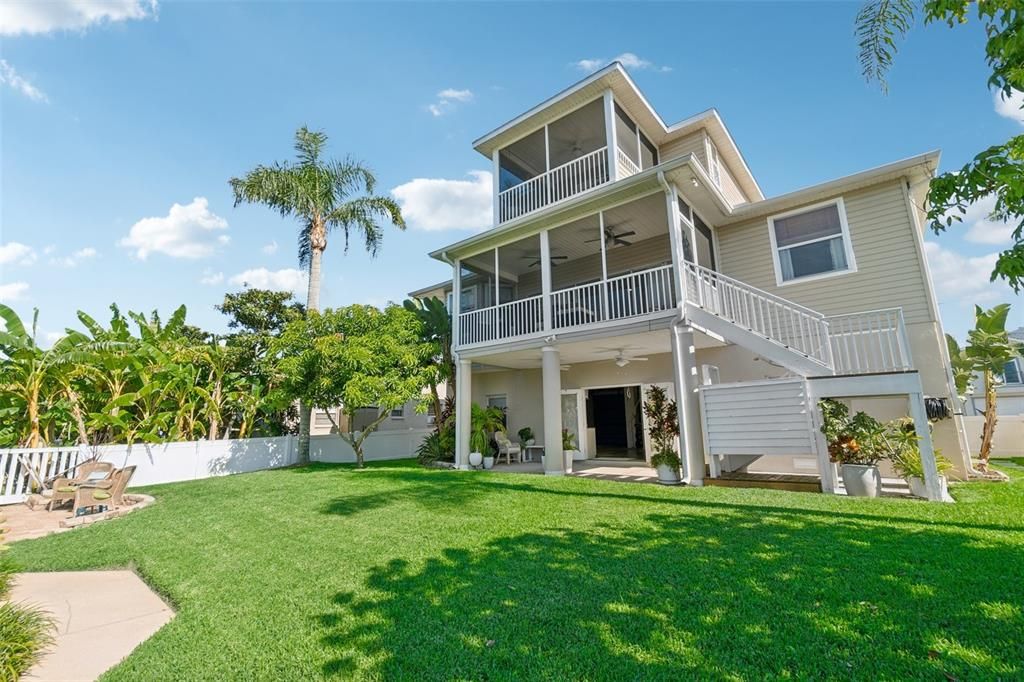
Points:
(364, 215)
(879, 24)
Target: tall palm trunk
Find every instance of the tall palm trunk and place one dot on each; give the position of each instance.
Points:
(988, 431)
(317, 244)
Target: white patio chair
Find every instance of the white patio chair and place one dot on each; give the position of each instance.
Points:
(507, 448)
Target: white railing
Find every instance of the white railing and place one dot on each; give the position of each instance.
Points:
(626, 165)
(23, 471)
(784, 322)
(872, 341)
(633, 295)
(641, 293)
(568, 180)
(508, 320)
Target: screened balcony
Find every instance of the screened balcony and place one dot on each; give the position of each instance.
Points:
(568, 157)
(608, 267)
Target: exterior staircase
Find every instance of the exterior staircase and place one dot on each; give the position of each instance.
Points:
(804, 341)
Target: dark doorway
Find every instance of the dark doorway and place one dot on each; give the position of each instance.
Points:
(613, 413)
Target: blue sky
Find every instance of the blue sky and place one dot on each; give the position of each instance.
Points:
(113, 113)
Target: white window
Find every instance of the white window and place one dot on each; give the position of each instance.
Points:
(812, 242)
(501, 402)
(1012, 373)
(398, 412)
(714, 163)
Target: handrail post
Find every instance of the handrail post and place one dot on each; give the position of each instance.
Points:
(826, 344)
(901, 339)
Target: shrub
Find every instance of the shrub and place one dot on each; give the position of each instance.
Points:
(851, 440)
(525, 434)
(439, 446)
(568, 440)
(663, 417)
(904, 453)
(24, 631)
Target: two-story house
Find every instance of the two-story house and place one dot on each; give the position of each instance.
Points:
(626, 252)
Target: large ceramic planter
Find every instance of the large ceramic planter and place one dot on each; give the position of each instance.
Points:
(475, 459)
(488, 462)
(917, 488)
(861, 480)
(577, 455)
(668, 475)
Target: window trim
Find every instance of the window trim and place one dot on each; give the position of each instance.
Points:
(400, 415)
(851, 261)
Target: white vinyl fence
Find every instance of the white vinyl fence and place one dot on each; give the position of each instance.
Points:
(22, 469)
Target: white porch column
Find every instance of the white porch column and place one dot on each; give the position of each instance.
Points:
(609, 131)
(551, 372)
(674, 231)
(924, 444)
(463, 412)
(691, 437)
(496, 183)
(545, 279)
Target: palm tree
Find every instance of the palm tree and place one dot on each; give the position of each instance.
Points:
(436, 329)
(989, 348)
(322, 195)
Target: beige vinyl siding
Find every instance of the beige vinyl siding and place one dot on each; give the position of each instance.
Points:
(641, 255)
(888, 271)
(733, 194)
(688, 144)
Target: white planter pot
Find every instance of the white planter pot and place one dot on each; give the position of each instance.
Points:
(577, 455)
(488, 462)
(530, 442)
(861, 480)
(475, 459)
(568, 460)
(917, 488)
(668, 475)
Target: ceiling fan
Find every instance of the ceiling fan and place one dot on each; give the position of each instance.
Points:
(536, 260)
(613, 238)
(621, 359)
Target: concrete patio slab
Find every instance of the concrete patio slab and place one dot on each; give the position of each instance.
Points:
(101, 617)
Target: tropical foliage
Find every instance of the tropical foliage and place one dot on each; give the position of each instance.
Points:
(322, 195)
(436, 330)
(139, 378)
(663, 419)
(356, 357)
(989, 347)
(996, 172)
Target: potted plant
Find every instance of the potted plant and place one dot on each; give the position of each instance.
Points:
(905, 456)
(854, 444)
(526, 437)
(483, 422)
(570, 448)
(663, 418)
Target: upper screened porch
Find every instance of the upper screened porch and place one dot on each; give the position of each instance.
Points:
(590, 146)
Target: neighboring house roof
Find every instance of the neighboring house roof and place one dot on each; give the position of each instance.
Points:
(446, 284)
(615, 77)
(1017, 334)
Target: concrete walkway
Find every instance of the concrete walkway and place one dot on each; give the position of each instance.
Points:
(101, 617)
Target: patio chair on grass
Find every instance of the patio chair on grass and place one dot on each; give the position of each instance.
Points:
(105, 493)
(507, 448)
(63, 488)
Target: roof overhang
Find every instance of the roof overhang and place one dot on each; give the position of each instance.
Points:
(628, 95)
(685, 171)
(917, 169)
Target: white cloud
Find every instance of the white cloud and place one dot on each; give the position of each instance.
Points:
(628, 59)
(964, 279)
(190, 231)
(14, 291)
(75, 258)
(10, 77)
(1009, 107)
(270, 248)
(17, 253)
(286, 279)
(211, 278)
(33, 17)
(435, 204)
(981, 228)
(446, 100)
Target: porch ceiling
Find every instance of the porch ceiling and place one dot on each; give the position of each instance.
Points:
(605, 349)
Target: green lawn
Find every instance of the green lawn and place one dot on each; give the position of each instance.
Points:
(398, 572)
